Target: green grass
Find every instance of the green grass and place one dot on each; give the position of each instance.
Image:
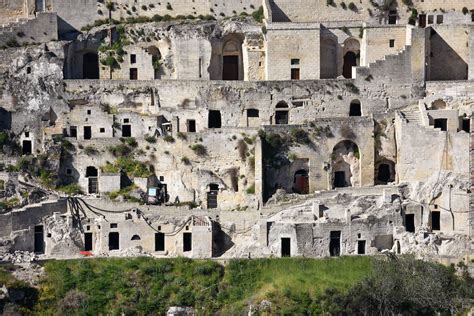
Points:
(147, 286)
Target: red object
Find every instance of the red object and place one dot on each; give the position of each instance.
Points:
(86, 253)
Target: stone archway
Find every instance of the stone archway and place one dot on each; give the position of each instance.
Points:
(345, 165)
(351, 53)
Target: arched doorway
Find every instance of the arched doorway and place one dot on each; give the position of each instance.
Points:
(385, 172)
(351, 56)
(345, 165)
(92, 175)
(282, 115)
(90, 66)
(232, 60)
(155, 58)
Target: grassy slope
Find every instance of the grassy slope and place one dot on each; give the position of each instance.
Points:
(148, 286)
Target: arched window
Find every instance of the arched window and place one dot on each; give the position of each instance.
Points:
(281, 113)
(355, 108)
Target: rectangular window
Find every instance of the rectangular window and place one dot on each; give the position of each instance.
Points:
(295, 61)
(252, 113)
(439, 19)
(102, 130)
(113, 225)
(133, 58)
(295, 74)
(89, 112)
(187, 242)
(73, 131)
(441, 123)
(159, 242)
(392, 43)
(430, 19)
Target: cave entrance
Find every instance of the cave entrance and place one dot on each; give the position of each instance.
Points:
(214, 119)
(114, 241)
(410, 223)
(39, 239)
(335, 243)
(88, 241)
(27, 147)
(126, 130)
(90, 66)
(286, 247)
(92, 177)
(384, 173)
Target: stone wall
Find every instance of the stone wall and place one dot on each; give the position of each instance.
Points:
(39, 30)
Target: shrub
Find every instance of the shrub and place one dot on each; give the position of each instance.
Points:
(120, 150)
(131, 167)
(110, 6)
(181, 135)
(168, 139)
(150, 139)
(465, 11)
(258, 15)
(352, 7)
(251, 189)
(185, 160)
(199, 149)
(168, 6)
(90, 151)
(343, 5)
(70, 189)
(299, 135)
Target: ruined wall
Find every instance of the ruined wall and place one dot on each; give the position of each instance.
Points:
(39, 30)
(73, 14)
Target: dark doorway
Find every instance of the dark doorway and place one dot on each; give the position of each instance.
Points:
(230, 68)
(286, 247)
(339, 179)
(91, 172)
(159, 242)
(88, 241)
(27, 147)
(436, 220)
(191, 124)
(361, 247)
(466, 125)
(114, 241)
(126, 130)
(133, 73)
(187, 242)
(73, 131)
(392, 17)
(350, 60)
(87, 132)
(39, 239)
(335, 243)
(441, 123)
(92, 176)
(384, 173)
(281, 117)
(295, 74)
(422, 20)
(5, 119)
(410, 223)
(214, 120)
(301, 182)
(212, 199)
(39, 5)
(355, 109)
(90, 66)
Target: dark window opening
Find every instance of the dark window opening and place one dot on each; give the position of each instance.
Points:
(472, 17)
(410, 223)
(136, 237)
(88, 241)
(69, 171)
(133, 73)
(391, 43)
(126, 130)
(295, 74)
(5, 119)
(301, 182)
(214, 120)
(295, 61)
(436, 220)
(28, 70)
(91, 172)
(27, 147)
(191, 126)
(90, 66)
(187, 242)
(430, 19)
(230, 68)
(422, 20)
(93, 185)
(355, 108)
(339, 179)
(89, 112)
(102, 130)
(335, 243)
(39, 239)
(384, 173)
(439, 19)
(350, 60)
(361, 247)
(126, 120)
(392, 17)
(159, 242)
(441, 123)
(286, 247)
(133, 58)
(466, 125)
(73, 131)
(253, 113)
(27, 134)
(87, 132)
(114, 241)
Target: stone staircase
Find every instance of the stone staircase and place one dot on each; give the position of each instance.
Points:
(413, 117)
(392, 64)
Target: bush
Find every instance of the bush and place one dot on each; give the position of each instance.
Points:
(251, 189)
(465, 10)
(120, 150)
(343, 5)
(185, 160)
(70, 189)
(150, 139)
(300, 136)
(168, 139)
(352, 7)
(90, 151)
(258, 15)
(131, 167)
(199, 149)
(168, 6)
